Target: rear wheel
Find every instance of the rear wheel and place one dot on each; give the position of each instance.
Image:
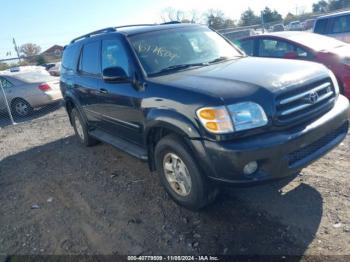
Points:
(21, 107)
(181, 176)
(81, 129)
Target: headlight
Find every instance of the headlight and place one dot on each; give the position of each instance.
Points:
(335, 82)
(247, 115)
(241, 116)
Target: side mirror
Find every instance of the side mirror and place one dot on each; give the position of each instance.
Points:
(290, 55)
(115, 74)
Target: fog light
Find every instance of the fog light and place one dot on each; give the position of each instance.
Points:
(250, 168)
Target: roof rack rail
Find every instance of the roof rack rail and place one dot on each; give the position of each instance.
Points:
(171, 23)
(122, 26)
(101, 31)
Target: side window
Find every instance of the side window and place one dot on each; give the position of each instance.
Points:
(5, 83)
(274, 48)
(321, 26)
(302, 53)
(341, 25)
(113, 54)
(247, 46)
(89, 60)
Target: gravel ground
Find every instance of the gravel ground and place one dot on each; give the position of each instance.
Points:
(58, 197)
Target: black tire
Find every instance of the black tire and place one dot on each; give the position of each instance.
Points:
(21, 108)
(82, 134)
(200, 194)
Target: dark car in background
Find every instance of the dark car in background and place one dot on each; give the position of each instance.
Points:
(235, 35)
(278, 28)
(306, 46)
(335, 25)
(199, 111)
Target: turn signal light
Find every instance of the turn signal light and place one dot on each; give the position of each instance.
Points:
(215, 119)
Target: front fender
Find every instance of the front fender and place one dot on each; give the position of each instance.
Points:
(172, 120)
(181, 125)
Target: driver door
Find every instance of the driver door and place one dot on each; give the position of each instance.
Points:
(120, 102)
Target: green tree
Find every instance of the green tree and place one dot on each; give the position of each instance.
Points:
(228, 23)
(40, 60)
(271, 16)
(30, 49)
(249, 18)
(215, 18)
(320, 7)
(289, 17)
(3, 66)
(338, 4)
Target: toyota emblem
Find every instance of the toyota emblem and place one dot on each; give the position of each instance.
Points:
(313, 97)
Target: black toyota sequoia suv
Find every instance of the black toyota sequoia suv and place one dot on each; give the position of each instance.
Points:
(197, 109)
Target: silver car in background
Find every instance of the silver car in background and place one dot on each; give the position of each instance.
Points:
(27, 90)
(55, 70)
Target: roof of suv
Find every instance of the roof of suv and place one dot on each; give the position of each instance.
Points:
(134, 29)
(334, 14)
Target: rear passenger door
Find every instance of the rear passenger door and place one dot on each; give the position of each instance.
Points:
(120, 102)
(88, 81)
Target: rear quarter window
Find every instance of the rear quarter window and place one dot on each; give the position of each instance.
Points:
(70, 57)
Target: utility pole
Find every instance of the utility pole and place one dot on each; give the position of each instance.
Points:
(262, 21)
(16, 49)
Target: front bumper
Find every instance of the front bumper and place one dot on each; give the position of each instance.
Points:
(278, 154)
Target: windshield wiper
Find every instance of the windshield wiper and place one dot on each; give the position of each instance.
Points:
(178, 67)
(219, 59)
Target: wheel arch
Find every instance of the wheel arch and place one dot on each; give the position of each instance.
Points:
(70, 103)
(164, 122)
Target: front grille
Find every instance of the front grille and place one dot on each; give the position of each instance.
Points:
(304, 102)
(300, 154)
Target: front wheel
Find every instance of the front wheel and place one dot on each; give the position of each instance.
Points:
(180, 175)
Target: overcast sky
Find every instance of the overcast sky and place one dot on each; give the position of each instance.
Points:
(56, 22)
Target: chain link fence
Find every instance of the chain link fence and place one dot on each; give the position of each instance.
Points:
(28, 93)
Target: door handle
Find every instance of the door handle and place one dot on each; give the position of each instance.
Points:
(103, 91)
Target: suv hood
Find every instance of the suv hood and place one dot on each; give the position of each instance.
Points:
(241, 78)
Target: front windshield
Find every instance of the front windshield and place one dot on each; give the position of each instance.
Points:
(164, 49)
(317, 42)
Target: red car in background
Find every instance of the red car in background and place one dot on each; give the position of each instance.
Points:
(331, 52)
